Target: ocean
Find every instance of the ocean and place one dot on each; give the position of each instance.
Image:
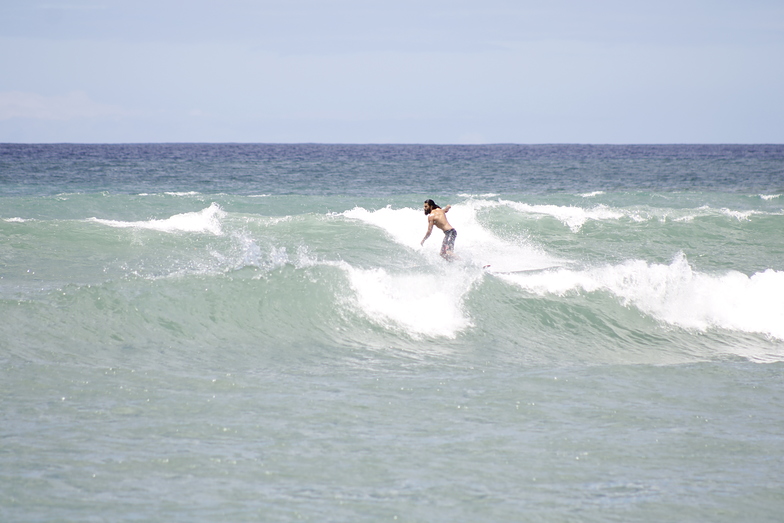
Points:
(249, 332)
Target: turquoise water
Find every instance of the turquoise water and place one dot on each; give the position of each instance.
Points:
(253, 332)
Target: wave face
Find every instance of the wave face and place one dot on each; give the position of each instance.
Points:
(240, 332)
(358, 276)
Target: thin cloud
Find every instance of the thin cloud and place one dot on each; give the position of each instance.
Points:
(71, 7)
(76, 104)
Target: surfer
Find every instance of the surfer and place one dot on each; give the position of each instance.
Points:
(437, 216)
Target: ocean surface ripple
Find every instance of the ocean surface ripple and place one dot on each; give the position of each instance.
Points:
(194, 332)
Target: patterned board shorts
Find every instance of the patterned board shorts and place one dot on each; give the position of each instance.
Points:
(448, 245)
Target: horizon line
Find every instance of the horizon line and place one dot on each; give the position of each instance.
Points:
(402, 143)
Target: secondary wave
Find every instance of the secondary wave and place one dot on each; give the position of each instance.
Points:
(206, 220)
(676, 294)
(575, 217)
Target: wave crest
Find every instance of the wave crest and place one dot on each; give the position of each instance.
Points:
(205, 221)
(676, 294)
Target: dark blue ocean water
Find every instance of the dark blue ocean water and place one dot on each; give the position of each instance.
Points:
(383, 170)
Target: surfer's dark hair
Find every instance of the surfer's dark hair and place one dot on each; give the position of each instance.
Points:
(432, 205)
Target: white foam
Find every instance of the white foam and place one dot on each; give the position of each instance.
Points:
(572, 217)
(419, 304)
(432, 303)
(474, 245)
(17, 220)
(678, 295)
(739, 215)
(401, 224)
(707, 211)
(485, 195)
(205, 221)
(769, 196)
(575, 217)
(592, 194)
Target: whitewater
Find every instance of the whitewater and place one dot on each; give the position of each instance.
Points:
(193, 332)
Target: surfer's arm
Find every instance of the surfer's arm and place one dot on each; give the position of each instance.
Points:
(446, 209)
(429, 230)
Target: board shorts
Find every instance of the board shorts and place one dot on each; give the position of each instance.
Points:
(448, 245)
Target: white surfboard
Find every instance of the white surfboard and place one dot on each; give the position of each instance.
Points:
(508, 269)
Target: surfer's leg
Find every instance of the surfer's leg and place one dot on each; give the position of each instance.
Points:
(448, 245)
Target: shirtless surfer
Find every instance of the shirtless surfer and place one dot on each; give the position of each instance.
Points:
(437, 216)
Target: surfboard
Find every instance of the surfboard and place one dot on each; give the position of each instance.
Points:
(506, 270)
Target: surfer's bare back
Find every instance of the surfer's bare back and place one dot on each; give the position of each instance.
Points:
(437, 216)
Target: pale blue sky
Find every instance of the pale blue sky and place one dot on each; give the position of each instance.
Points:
(425, 71)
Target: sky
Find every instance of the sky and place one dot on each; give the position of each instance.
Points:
(423, 71)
